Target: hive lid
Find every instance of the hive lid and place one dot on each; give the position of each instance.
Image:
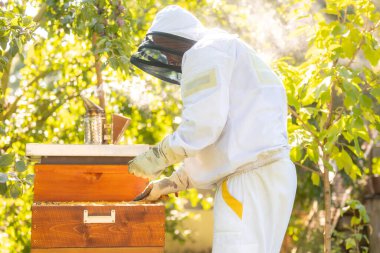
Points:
(38, 150)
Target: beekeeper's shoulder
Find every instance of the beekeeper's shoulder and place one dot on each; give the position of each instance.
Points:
(213, 44)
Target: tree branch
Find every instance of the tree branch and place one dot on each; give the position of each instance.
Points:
(307, 168)
(361, 43)
(99, 78)
(295, 114)
(5, 81)
(327, 200)
(331, 104)
(12, 108)
(55, 108)
(339, 210)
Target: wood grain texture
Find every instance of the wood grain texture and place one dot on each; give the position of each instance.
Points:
(101, 250)
(85, 160)
(64, 182)
(57, 226)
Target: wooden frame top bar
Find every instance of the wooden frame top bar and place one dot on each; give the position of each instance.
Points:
(36, 150)
(101, 203)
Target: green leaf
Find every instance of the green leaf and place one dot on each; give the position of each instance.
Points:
(3, 178)
(113, 62)
(296, 154)
(333, 134)
(293, 101)
(331, 11)
(351, 92)
(30, 179)
(357, 149)
(27, 20)
(193, 196)
(371, 55)
(19, 45)
(343, 160)
(338, 29)
(353, 172)
(124, 59)
(101, 42)
(357, 123)
(350, 243)
(370, 50)
(20, 166)
(313, 155)
(362, 133)
(315, 178)
(99, 28)
(13, 48)
(206, 205)
(6, 160)
(348, 47)
(344, 72)
(3, 188)
(362, 211)
(355, 221)
(3, 60)
(323, 87)
(15, 190)
(376, 93)
(3, 42)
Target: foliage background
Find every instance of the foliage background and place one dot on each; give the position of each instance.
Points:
(48, 55)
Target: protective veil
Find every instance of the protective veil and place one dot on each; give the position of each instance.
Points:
(173, 32)
(155, 59)
(234, 135)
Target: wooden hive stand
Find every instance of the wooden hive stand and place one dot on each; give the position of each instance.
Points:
(83, 201)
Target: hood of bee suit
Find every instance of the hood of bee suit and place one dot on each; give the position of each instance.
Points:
(178, 21)
(174, 30)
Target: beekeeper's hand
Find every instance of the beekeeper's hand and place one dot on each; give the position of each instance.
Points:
(152, 162)
(178, 181)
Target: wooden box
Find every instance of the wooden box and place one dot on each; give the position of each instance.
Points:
(82, 201)
(98, 225)
(81, 182)
(101, 250)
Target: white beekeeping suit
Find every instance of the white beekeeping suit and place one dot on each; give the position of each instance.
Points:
(233, 134)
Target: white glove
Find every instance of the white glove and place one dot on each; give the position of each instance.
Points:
(178, 181)
(152, 162)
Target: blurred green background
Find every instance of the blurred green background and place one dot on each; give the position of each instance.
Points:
(326, 52)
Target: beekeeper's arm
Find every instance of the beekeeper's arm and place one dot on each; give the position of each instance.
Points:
(205, 94)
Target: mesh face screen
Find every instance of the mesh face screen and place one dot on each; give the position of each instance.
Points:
(160, 54)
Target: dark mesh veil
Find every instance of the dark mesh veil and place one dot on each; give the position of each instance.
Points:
(160, 54)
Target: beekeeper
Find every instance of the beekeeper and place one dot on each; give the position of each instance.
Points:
(233, 134)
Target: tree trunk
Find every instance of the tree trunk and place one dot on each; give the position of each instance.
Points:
(99, 78)
(100, 90)
(373, 208)
(4, 81)
(327, 198)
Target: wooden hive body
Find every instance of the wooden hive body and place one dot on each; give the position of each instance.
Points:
(84, 204)
(85, 182)
(62, 225)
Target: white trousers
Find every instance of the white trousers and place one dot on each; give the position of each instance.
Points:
(263, 198)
